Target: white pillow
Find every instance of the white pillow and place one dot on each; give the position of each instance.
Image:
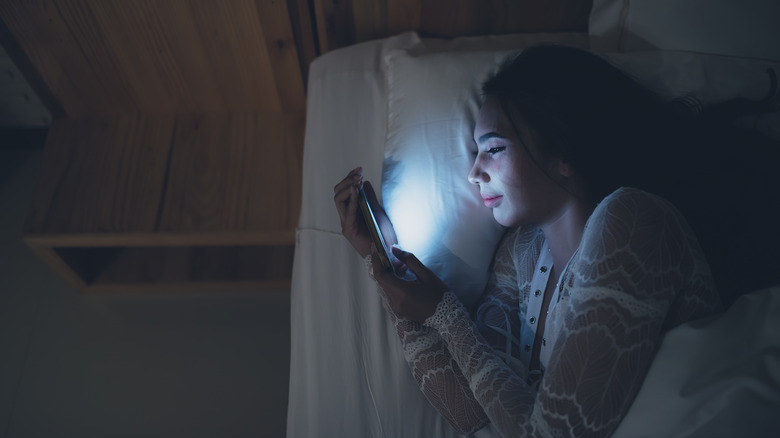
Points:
(433, 99)
(745, 28)
(709, 78)
(437, 213)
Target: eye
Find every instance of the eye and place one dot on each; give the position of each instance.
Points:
(495, 150)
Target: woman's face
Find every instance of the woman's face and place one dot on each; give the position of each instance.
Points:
(511, 177)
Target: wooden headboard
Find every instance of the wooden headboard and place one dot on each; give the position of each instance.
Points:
(344, 22)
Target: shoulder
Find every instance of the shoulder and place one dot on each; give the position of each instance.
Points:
(636, 223)
(631, 207)
(629, 197)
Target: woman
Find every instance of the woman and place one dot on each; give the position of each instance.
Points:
(588, 278)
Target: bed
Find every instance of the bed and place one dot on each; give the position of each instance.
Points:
(391, 105)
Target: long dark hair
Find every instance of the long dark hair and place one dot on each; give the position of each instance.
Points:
(616, 132)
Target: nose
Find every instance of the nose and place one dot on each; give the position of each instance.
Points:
(477, 175)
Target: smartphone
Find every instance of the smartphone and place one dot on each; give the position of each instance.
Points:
(374, 230)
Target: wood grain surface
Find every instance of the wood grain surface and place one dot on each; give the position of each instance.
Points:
(164, 201)
(172, 180)
(235, 172)
(123, 56)
(103, 176)
(345, 22)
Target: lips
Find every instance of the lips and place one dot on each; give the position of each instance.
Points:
(491, 200)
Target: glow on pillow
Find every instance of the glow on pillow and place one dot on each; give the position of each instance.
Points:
(415, 225)
(437, 214)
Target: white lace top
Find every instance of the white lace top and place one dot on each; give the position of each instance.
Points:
(637, 273)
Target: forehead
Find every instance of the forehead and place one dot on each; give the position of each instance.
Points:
(492, 119)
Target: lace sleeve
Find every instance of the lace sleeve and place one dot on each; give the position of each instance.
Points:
(434, 368)
(438, 375)
(638, 268)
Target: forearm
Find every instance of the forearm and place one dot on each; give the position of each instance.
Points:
(438, 375)
(502, 392)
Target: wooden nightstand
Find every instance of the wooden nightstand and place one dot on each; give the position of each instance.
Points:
(159, 202)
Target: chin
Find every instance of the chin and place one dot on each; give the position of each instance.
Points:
(504, 220)
(511, 217)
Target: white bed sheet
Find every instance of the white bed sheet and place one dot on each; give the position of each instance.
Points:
(348, 377)
(718, 377)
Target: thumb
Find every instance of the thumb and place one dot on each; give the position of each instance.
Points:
(414, 264)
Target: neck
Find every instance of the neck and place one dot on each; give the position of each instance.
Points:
(564, 232)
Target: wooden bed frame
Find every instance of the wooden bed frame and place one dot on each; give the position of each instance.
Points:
(341, 23)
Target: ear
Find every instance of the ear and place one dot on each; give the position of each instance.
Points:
(565, 168)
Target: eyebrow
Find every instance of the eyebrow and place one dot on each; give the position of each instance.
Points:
(485, 137)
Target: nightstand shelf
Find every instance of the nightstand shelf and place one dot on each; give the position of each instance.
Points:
(162, 202)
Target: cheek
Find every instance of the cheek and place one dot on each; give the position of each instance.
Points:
(502, 170)
(512, 175)
(520, 187)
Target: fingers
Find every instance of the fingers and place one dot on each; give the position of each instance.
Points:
(399, 267)
(408, 259)
(381, 275)
(415, 265)
(416, 300)
(354, 177)
(352, 206)
(345, 199)
(346, 194)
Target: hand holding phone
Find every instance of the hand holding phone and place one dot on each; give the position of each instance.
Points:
(373, 225)
(364, 222)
